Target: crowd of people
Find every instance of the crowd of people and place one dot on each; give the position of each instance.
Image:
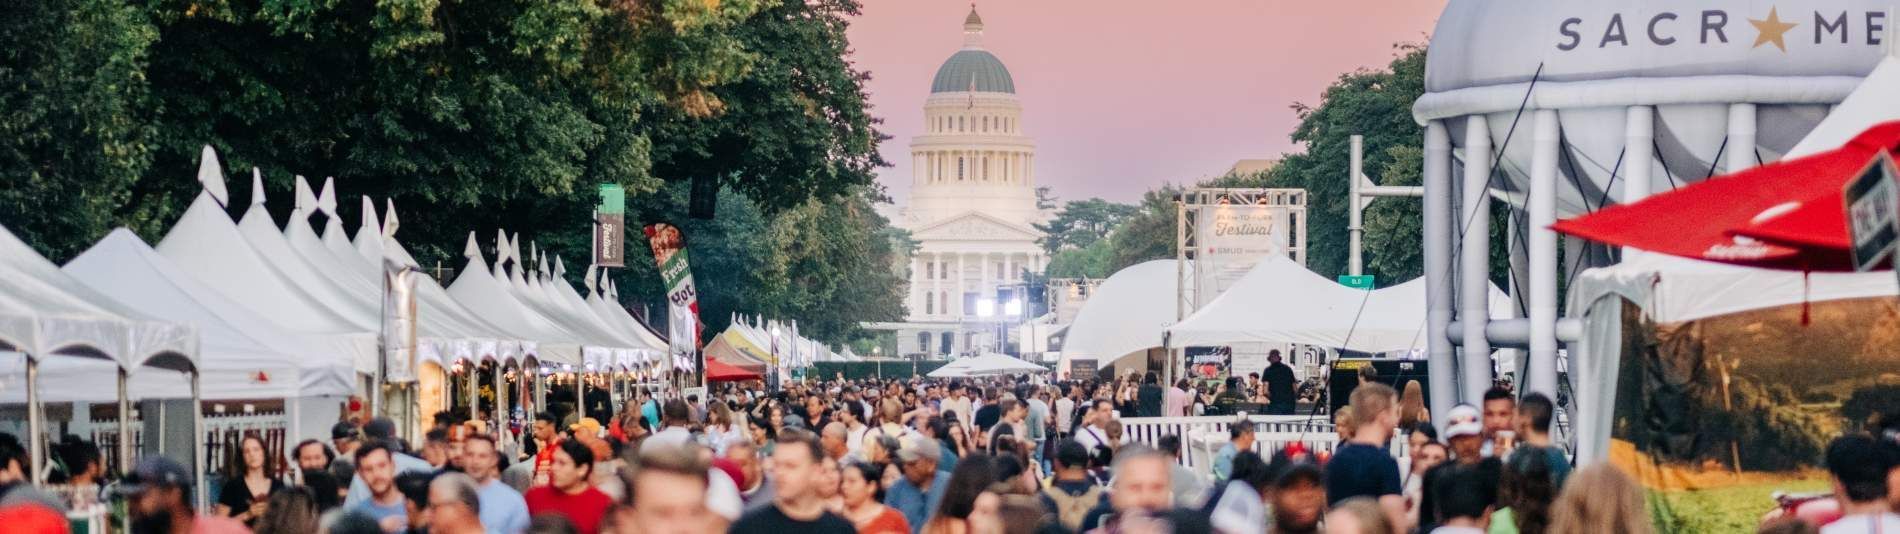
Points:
(1007, 455)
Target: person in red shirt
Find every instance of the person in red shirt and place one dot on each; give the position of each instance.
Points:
(571, 492)
(546, 439)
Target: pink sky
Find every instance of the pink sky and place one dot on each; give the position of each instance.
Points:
(1124, 95)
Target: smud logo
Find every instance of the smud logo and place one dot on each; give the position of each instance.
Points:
(1712, 27)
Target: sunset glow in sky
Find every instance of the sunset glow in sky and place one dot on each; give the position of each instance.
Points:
(1123, 95)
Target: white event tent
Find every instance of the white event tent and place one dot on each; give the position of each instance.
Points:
(1281, 301)
(1669, 289)
(207, 245)
(1126, 314)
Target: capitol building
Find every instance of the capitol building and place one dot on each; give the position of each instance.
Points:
(972, 209)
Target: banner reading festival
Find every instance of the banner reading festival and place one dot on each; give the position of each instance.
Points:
(669, 252)
(1231, 238)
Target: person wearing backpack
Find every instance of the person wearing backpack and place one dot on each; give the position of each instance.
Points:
(1073, 493)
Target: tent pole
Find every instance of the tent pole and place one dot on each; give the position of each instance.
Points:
(197, 432)
(1354, 208)
(35, 422)
(1436, 178)
(125, 426)
(501, 401)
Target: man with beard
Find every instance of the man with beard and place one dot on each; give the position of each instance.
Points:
(377, 471)
(159, 493)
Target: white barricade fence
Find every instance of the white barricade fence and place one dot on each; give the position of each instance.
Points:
(1203, 437)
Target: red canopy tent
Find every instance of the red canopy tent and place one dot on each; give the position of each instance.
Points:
(718, 371)
(1784, 215)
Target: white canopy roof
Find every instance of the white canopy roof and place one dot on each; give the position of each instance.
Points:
(206, 244)
(1126, 314)
(476, 288)
(44, 311)
(993, 364)
(244, 355)
(1281, 301)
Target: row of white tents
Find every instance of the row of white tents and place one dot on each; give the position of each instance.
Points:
(251, 309)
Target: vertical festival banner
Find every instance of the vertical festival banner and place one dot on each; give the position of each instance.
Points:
(610, 227)
(669, 252)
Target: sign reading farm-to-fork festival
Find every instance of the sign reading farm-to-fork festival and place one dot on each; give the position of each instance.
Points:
(1232, 238)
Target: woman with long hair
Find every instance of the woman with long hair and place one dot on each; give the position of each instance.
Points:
(1412, 410)
(864, 501)
(959, 440)
(249, 480)
(1524, 494)
(292, 511)
(1599, 498)
(720, 429)
(971, 478)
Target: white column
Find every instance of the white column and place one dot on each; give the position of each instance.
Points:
(1741, 138)
(960, 278)
(1639, 151)
(1541, 376)
(917, 278)
(1438, 234)
(1475, 260)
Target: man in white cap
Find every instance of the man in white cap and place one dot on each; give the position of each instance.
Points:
(1464, 431)
(917, 493)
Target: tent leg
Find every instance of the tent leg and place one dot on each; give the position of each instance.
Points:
(35, 422)
(580, 395)
(501, 402)
(125, 425)
(197, 431)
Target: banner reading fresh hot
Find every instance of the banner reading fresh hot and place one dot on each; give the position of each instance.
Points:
(669, 252)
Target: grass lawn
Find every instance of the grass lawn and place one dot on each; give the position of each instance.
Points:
(1729, 509)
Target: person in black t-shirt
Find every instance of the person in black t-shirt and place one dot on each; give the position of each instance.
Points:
(796, 507)
(1279, 379)
(1362, 467)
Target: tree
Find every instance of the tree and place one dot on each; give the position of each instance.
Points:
(76, 133)
(1149, 234)
(1091, 261)
(1081, 223)
(1373, 103)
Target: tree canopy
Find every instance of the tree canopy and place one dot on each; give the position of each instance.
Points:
(474, 115)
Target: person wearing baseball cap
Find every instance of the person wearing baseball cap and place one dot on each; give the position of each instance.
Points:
(917, 493)
(158, 492)
(1464, 431)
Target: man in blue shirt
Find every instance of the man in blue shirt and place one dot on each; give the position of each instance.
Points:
(381, 502)
(503, 511)
(916, 495)
(1240, 439)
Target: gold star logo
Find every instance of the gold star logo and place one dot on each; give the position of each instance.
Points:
(1771, 30)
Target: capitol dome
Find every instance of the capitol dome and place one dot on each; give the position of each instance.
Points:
(973, 70)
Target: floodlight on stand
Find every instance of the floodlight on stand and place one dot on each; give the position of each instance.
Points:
(1013, 308)
(985, 307)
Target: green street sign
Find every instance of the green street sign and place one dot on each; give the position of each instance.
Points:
(613, 199)
(1363, 281)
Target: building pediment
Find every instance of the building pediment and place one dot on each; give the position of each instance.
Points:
(973, 226)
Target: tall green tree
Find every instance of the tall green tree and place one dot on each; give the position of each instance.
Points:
(1081, 223)
(74, 136)
(1149, 234)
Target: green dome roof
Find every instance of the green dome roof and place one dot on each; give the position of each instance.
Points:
(973, 67)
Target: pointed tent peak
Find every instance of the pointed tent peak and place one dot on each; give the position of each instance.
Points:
(369, 220)
(501, 246)
(613, 291)
(514, 247)
(560, 270)
(542, 266)
(593, 286)
(305, 199)
(257, 186)
(474, 250)
(211, 175)
(326, 202)
(390, 224)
